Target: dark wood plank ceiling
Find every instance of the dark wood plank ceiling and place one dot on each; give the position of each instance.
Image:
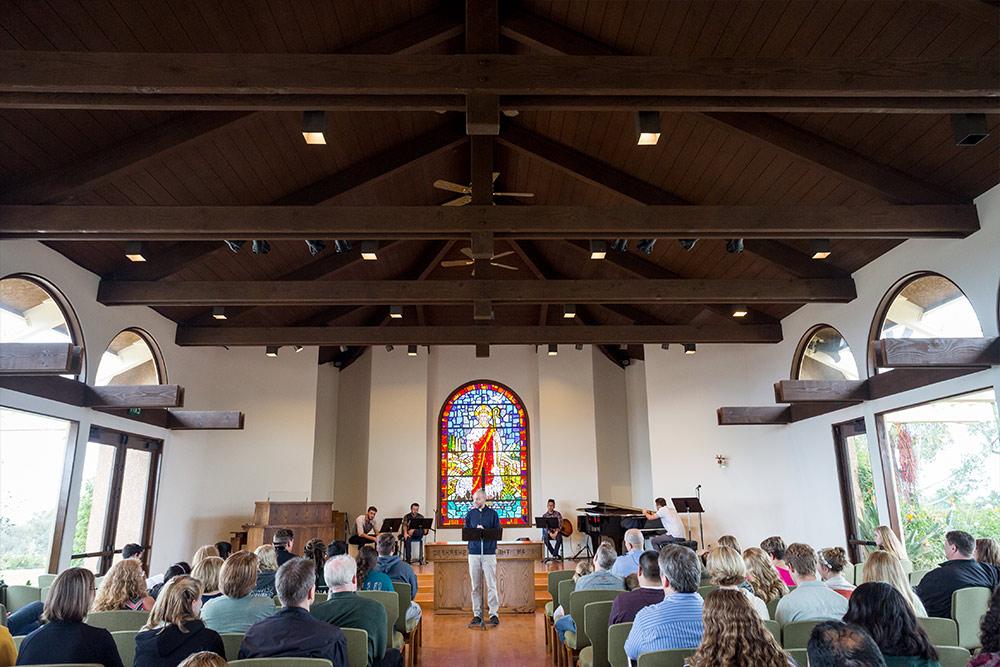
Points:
(259, 158)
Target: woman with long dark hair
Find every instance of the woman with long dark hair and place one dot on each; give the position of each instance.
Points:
(370, 579)
(315, 550)
(881, 610)
(989, 635)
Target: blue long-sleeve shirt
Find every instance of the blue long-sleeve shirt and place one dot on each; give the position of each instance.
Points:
(487, 518)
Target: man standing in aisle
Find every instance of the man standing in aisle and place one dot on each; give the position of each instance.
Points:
(483, 561)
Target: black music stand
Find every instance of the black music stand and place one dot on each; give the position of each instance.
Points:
(689, 506)
(425, 525)
(582, 528)
(548, 523)
(392, 526)
(482, 535)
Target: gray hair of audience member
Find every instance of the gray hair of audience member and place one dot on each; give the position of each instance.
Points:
(385, 544)
(649, 566)
(605, 557)
(634, 537)
(339, 571)
(839, 644)
(681, 567)
(294, 580)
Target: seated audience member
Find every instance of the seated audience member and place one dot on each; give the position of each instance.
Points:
(734, 634)
(731, 542)
(174, 631)
(883, 566)
(628, 562)
(600, 579)
(225, 550)
(202, 553)
(811, 600)
(882, 611)
(236, 610)
(336, 548)
(836, 644)
(207, 572)
(65, 638)
(886, 540)
(346, 609)
(132, 550)
(369, 578)
(649, 591)
(204, 659)
(397, 570)
(8, 653)
(26, 620)
(174, 570)
(958, 571)
(292, 632)
(553, 538)
(989, 635)
(729, 572)
(583, 568)
(365, 529)
(283, 543)
(315, 551)
(631, 582)
(124, 587)
(267, 566)
(669, 519)
(411, 535)
(988, 551)
(677, 621)
(774, 547)
(761, 575)
(832, 562)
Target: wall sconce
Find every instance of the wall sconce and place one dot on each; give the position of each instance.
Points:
(722, 460)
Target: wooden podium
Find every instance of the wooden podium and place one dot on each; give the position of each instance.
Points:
(307, 520)
(515, 576)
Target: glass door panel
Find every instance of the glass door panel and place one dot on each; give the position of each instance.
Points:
(132, 507)
(94, 506)
(857, 485)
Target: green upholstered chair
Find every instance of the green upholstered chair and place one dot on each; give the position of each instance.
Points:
(941, 631)
(953, 656)
(116, 621)
(796, 635)
(968, 606)
(17, 641)
(595, 625)
(321, 597)
(775, 629)
(617, 634)
(45, 580)
(287, 662)
(674, 657)
(3, 615)
(410, 629)
(703, 591)
(799, 655)
(389, 600)
(357, 647)
(125, 641)
(848, 571)
(578, 600)
(232, 641)
(916, 576)
(22, 596)
(563, 591)
(553, 579)
(772, 607)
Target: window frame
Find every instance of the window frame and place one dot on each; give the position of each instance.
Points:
(154, 348)
(800, 349)
(73, 326)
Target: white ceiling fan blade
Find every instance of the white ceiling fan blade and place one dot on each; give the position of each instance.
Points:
(505, 266)
(461, 201)
(449, 263)
(503, 254)
(441, 184)
(467, 251)
(513, 194)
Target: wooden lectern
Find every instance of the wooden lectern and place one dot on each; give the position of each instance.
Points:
(307, 520)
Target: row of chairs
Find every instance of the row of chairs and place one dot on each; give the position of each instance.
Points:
(948, 656)
(270, 662)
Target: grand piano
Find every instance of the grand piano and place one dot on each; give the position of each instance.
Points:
(598, 519)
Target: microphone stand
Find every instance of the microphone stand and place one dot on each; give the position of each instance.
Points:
(701, 525)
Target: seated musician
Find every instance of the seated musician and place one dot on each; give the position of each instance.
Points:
(365, 531)
(553, 538)
(669, 520)
(410, 535)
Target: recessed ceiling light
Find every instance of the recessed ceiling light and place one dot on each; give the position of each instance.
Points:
(740, 311)
(690, 348)
(411, 350)
(647, 127)
(313, 127)
(820, 248)
(369, 251)
(396, 312)
(569, 311)
(271, 350)
(598, 249)
(133, 250)
(969, 128)
(553, 349)
(218, 313)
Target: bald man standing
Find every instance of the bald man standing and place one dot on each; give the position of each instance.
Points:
(483, 561)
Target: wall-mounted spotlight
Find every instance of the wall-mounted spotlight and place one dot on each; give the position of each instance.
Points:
(411, 350)
(664, 346)
(343, 349)
(645, 246)
(271, 351)
(553, 349)
(740, 311)
(313, 127)
(235, 245)
(341, 246)
(969, 128)
(297, 348)
(315, 247)
(598, 249)
(133, 250)
(687, 244)
(218, 312)
(396, 312)
(734, 246)
(389, 348)
(578, 346)
(690, 348)
(722, 461)
(647, 127)
(569, 311)
(369, 251)
(820, 248)
(259, 247)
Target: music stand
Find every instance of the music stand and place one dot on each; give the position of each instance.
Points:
(391, 526)
(582, 528)
(426, 526)
(547, 523)
(687, 506)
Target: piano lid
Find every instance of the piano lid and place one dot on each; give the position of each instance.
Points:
(599, 507)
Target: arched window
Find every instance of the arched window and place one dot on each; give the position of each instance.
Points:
(131, 358)
(926, 305)
(483, 443)
(823, 354)
(34, 311)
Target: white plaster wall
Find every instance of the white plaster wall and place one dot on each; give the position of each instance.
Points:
(611, 419)
(325, 443)
(350, 487)
(640, 465)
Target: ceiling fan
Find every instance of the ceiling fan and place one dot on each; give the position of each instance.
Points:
(449, 263)
(466, 191)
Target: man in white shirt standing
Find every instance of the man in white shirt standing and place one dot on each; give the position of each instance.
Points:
(669, 519)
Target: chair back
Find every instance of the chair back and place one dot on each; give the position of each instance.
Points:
(125, 641)
(703, 591)
(953, 656)
(775, 629)
(45, 580)
(3, 615)
(321, 597)
(115, 621)
(554, 578)
(772, 607)
(357, 647)
(285, 662)
(566, 587)
(578, 600)
(17, 641)
(796, 635)
(403, 594)
(941, 631)
(799, 655)
(231, 641)
(848, 571)
(916, 576)
(968, 606)
(617, 634)
(595, 626)
(673, 657)
(22, 596)
(45, 593)
(389, 600)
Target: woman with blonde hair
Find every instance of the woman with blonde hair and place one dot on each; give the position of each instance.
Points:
(123, 588)
(735, 636)
(763, 578)
(204, 659)
(727, 570)
(988, 551)
(887, 541)
(204, 552)
(237, 610)
(65, 638)
(731, 542)
(174, 630)
(267, 566)
(883, 566)
(832, 562)
(207, 572)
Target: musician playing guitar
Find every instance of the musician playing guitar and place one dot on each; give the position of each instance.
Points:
(553, 538)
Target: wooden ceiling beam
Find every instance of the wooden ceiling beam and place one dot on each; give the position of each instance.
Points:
(80, 394)
(98, 223)
(184, 420)
(936, 352)
(981, 11)
(40, 358)
(775, 414)
(473, 334)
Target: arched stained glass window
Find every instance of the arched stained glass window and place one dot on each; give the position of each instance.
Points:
(824, 355)
(483, 444)
(131, 359)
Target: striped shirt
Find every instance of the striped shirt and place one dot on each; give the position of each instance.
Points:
(673, 623)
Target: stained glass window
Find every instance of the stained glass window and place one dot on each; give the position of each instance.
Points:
(483, 443)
